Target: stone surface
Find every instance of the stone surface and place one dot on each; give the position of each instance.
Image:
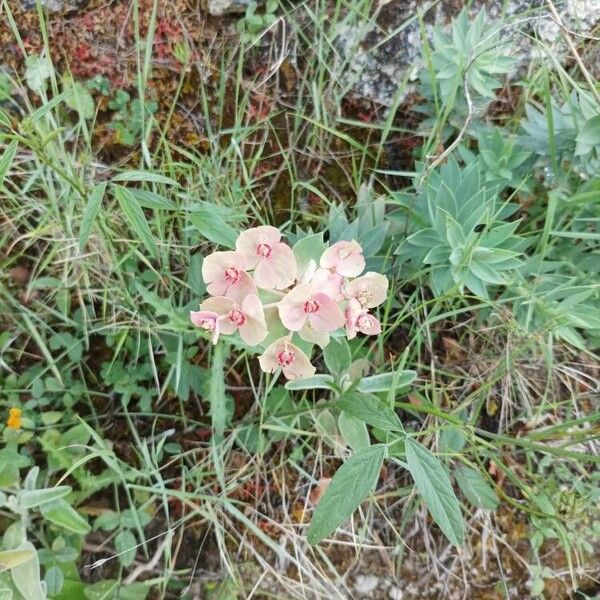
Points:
(55, 5)
(381, 55)
(218, 8)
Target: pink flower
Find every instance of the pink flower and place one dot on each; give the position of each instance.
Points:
(358, 319)
(370, 290)
(207, 320)
(225, 274)
(345, 258)
(282, 354)
(248, 318)
(302, 305)
(328, 282)
(274, 262)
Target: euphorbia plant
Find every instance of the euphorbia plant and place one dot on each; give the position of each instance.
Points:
(259, 287)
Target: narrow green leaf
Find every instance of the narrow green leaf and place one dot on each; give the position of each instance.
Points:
(213, 227)
(135, 216)
(316, 382)
(89, 214)
(218, 402)
(475, 488)
(351, 484)
(434, 486)
(32, 498)
(386, 381)
(62, 514)
(6, 160)
(146, 176)
(370, 410)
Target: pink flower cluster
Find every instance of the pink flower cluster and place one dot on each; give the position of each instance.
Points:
(322, 299)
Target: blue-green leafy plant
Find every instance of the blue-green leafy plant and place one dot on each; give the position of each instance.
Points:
(461, 232)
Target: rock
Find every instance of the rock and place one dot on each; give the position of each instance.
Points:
(218, 8)
(380, 56)
(55, 5)
(365, 584)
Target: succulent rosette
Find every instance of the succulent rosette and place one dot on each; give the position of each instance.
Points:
(311, 303)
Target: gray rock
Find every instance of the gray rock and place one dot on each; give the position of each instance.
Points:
(377, 57)
(55, 5)
(218, 8)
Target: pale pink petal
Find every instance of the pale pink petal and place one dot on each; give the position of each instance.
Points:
(222, 306)
(292, 316)
(207, 320)
(282, 354)
(327, 316)
(278, 270)
(353, 311)
(218, 304)
(308, 334)
(255, 242)
(291, 307)
(254, 330)
(368, 324)
(300, 368)
(244, 286)
(328, 282)
(370, 290)
(345, 257)
(215, 265)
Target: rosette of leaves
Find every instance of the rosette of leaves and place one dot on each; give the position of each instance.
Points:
(473, 55)
(575, 134)
(462, 234)
(502, 161)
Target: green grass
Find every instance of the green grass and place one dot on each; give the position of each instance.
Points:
(126, 402)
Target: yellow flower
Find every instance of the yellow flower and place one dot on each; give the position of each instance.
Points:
(14, 418)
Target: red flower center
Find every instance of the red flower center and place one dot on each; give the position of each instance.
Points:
(237, 317)
(285, 358)
(232, 275)
(263, 250)
(311, 306)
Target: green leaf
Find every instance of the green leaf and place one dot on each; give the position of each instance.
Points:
(354, 431)
(351, 484)
(434, 486)
(386, 381)
(32, 498)
(125, 545)
(337, 356)
(103, 590)
(26, 575)
(370, 410)
(146, 176)
(475, 488)
(13, 558)
(308, 250)
(152, 200)
(79, 99)
(6, 160)
(213, 226)
(38, 70)
(62, 514)
(135, 216)
(54, 579)
(217, 399)
(316, 382)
